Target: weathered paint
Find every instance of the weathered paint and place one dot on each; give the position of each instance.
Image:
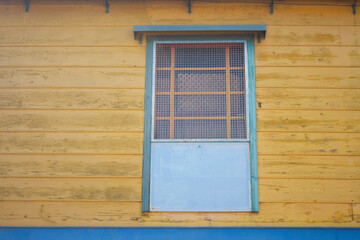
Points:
(72, 87)
(128, 213)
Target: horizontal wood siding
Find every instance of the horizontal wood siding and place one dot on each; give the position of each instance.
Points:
(72, 92)
(60, 213)
(72, 99)
(71, 166)
(81, 77)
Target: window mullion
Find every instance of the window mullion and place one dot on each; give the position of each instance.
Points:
(228, 110)
(172, 90)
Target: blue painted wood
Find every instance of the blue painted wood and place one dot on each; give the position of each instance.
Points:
(252, 125)
(200, 28)
(197, 28)
(27, 5)
(249, 38)
(165, 233)
(107, 6)
(147, 127)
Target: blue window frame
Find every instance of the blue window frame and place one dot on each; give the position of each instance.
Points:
(164, 192)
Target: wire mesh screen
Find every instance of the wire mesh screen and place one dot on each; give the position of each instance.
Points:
(200, 91)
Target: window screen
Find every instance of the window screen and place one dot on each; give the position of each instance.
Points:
(200, 91)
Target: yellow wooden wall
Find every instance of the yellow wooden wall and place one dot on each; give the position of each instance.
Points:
(72, 107)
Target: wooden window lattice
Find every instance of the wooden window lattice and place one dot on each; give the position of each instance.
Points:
(200, 91)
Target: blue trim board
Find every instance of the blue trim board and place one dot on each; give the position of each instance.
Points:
(252, 125)
(180, 233)
(147, 127)
(249, 38)
(199, 28)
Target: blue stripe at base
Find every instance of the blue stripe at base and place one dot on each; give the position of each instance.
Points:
(173, 233)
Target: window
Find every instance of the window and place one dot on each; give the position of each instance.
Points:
(200, 125)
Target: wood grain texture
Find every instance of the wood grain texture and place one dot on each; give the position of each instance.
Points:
(67, 36)
(272, 98)
(73, 77)
(63, 120)
(270, 214)
(324, 99)
(71, 142)
(308, 121)
(303, 56)
(309, 190)
(68, 161)
(300, 35)
(350, 35)
(70, 166)
(173, 12)
(237, 13)
(309, 143)
(123, 13)
(308, 77)
(129, 214)
(117, 36)
(69, 213)
(72, 56)
(79, 189)
(72, 99)
(129, 189)
(356, 212)
(314, 167)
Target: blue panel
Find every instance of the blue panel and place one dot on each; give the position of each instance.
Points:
(199, 28)
(170, 28)
(161, 233)
(200, 177)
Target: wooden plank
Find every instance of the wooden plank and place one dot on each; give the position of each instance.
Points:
(356, 212)
(79, 189)
(68, 3)
(309, 143)
(304, 56)
(350, 35)
(73, 77)
(122, 13)
(129, 214)
(174, 12)
(64, 120)
(72, 56)
(228, 96)
(252, 127)
(322, 167)
(309, 190)
(301, 35)
(71, 99)
(239, 13)
(147, 126)
(67, 36)
(70, 166)
(270, 214)
(172, 90)
(320, 99)
(71, 142)
(69, 213)
(308, 120)
(328, 2)
(308, 77)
